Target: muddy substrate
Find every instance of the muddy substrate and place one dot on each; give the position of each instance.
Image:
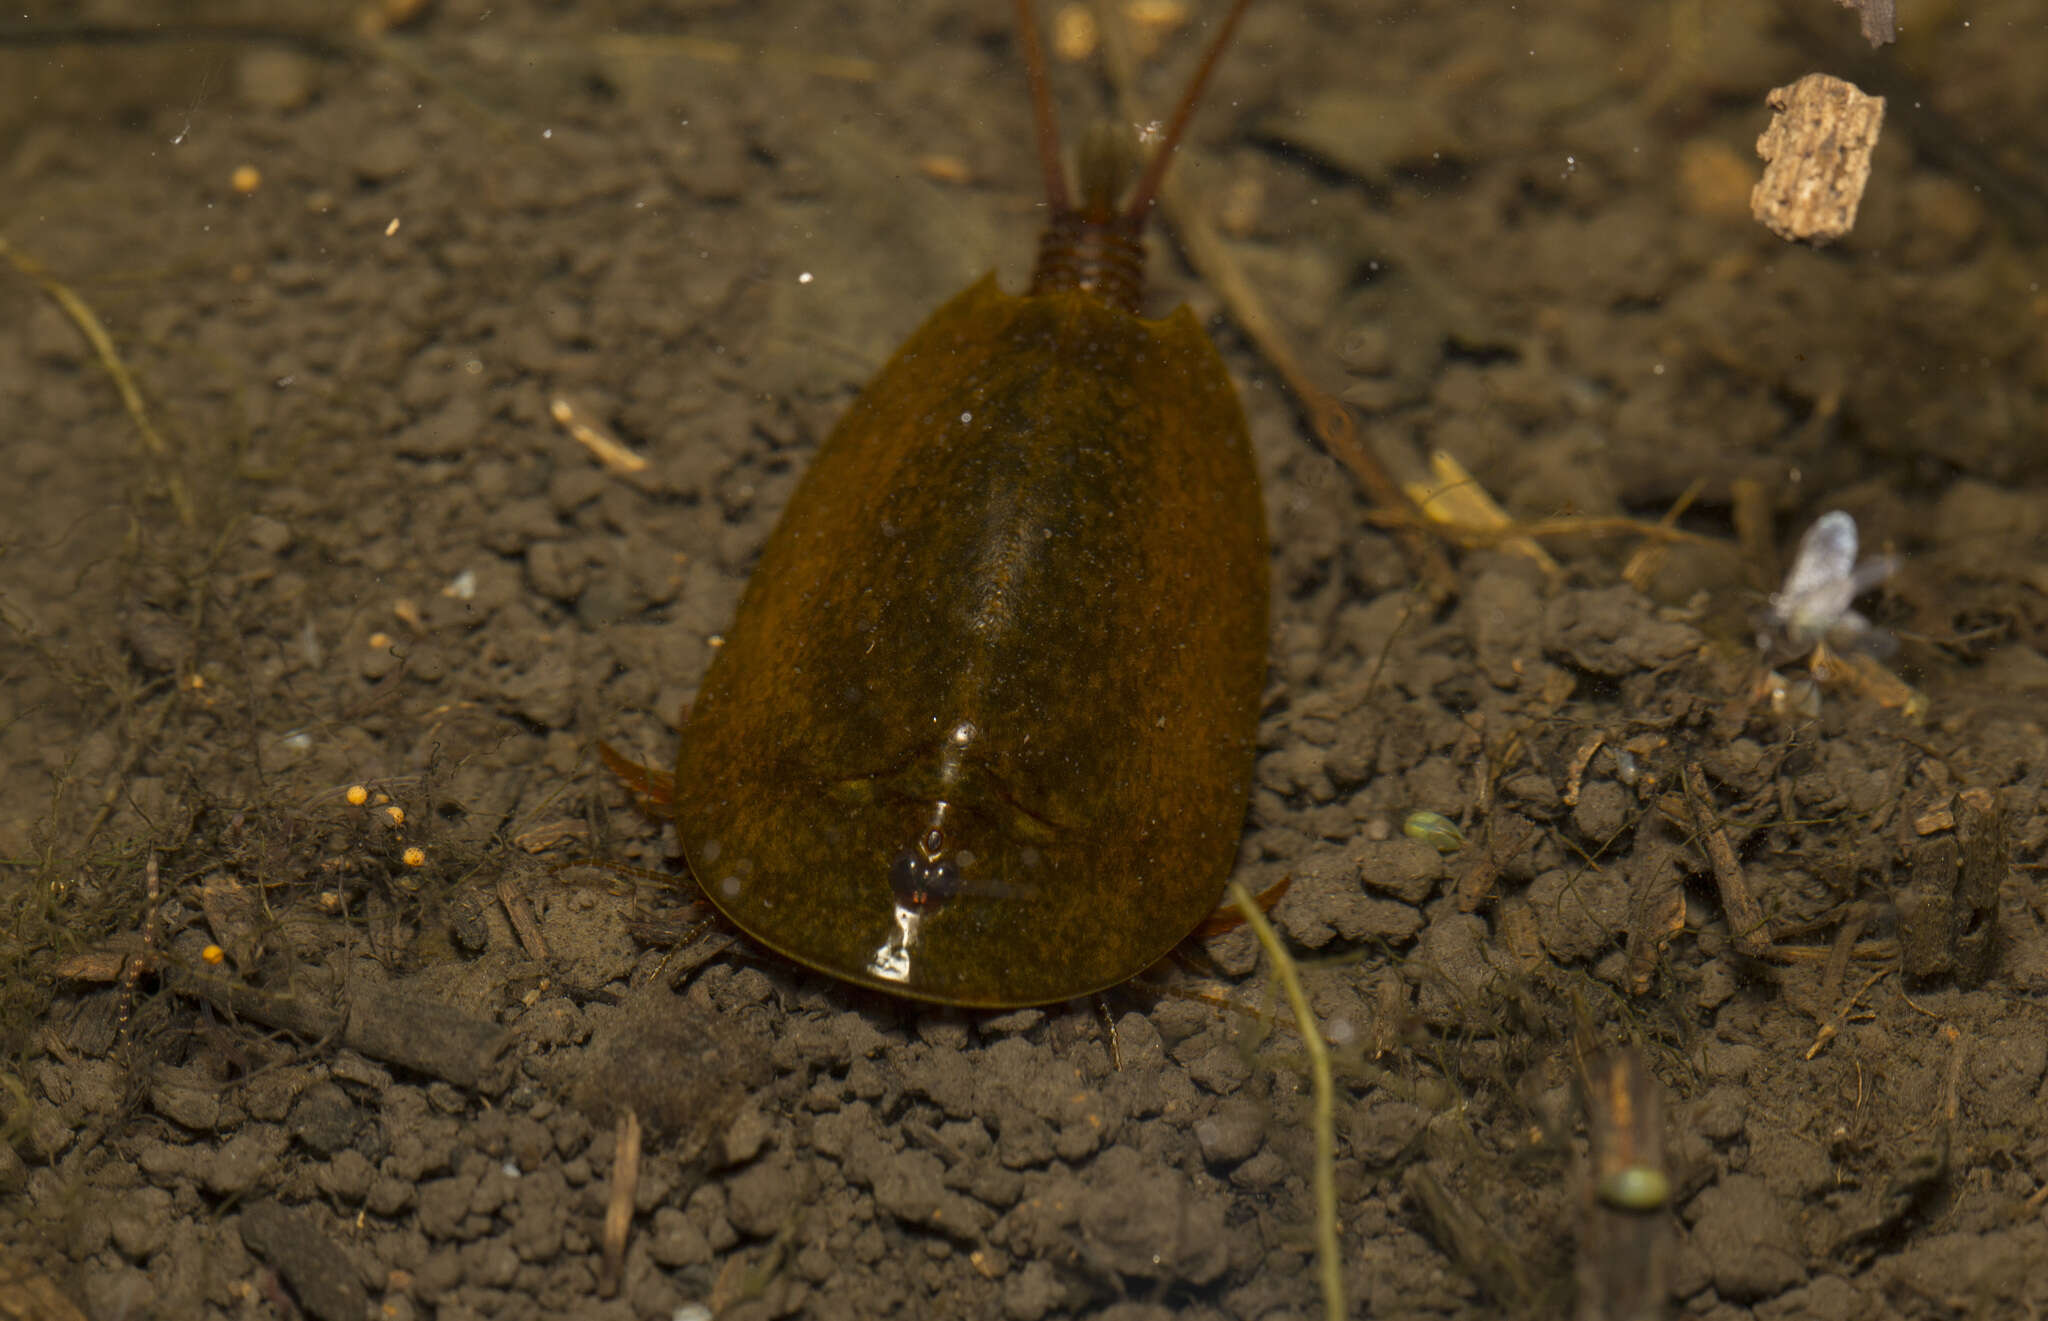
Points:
(363, 553)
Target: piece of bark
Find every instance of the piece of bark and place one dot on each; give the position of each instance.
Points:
(386, 1024)
(1947, 904)
(1980, 828)
(313, 1266)
(1925, 907)
(1817, 153)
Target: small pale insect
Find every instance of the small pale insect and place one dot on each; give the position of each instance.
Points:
(1814, 604)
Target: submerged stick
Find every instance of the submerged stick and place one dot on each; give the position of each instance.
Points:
(1323, 1117)
(382, 1022)
(1746, 922)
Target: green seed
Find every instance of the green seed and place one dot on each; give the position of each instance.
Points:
(1636, 1188)
(1434, 829)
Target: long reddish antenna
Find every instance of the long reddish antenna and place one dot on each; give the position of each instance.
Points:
(1147, 191)
(1042, 120)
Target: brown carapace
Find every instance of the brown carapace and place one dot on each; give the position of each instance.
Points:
(982, 730)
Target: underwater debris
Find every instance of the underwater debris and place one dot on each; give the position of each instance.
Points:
(1813, 607)
(1811, 617)
(1880, 21)
(1817, 152)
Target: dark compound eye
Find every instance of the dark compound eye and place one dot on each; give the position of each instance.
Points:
(921, 884)
(905, 874)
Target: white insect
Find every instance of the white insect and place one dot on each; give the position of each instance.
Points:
(1814, 604)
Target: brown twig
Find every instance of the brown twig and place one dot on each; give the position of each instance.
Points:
(1746, 921)
(519, 910)
(1643, 566)
(614, 454)
(386, 1024)
(1575, 774)
(618, 1206)
(143, 962)
(1840, 1018)
(1840, 951)
(1952, 1077)
(1574, 525)
(1866, 951)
